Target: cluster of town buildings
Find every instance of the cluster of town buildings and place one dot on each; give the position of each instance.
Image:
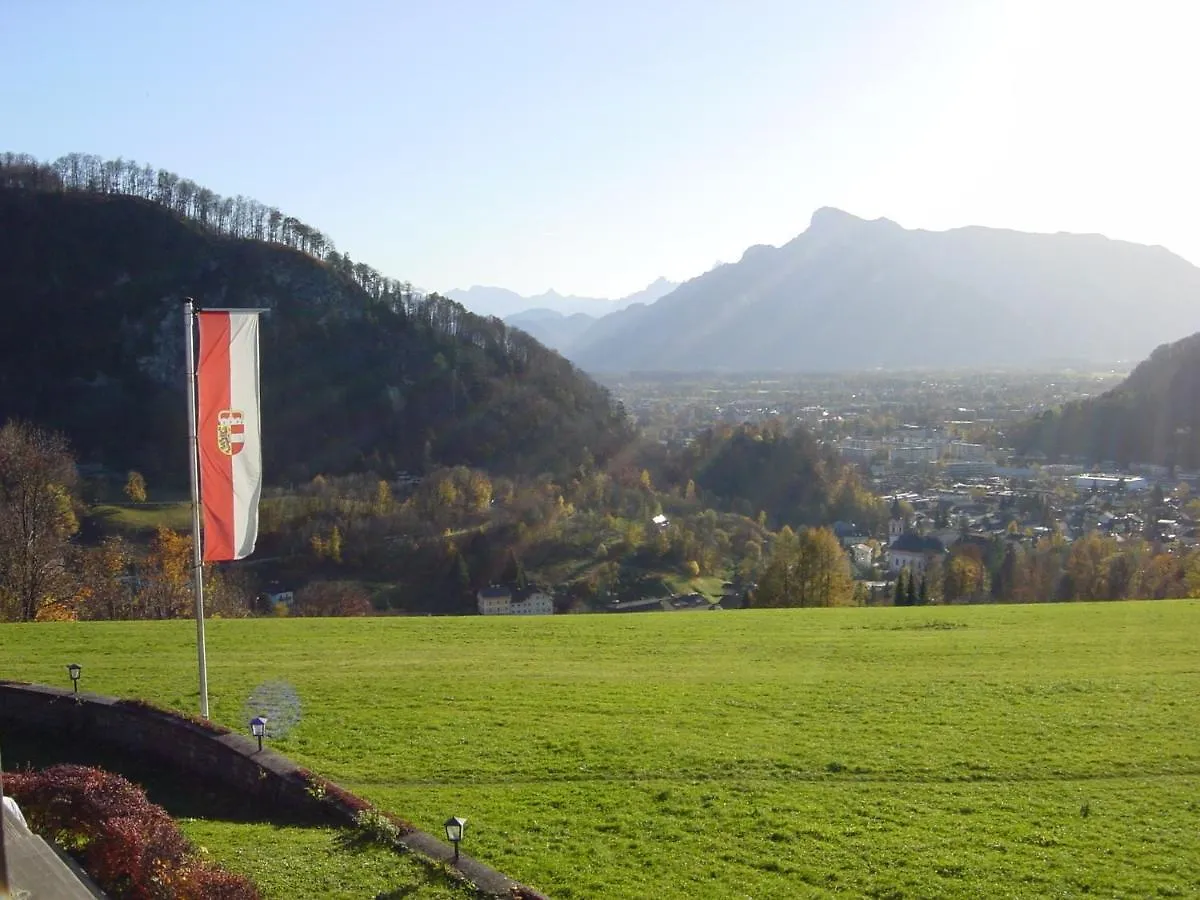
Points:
(931, 511)
(929, 517)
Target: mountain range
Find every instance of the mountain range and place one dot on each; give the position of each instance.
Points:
(502, 303)
(851, 294)
(555, 320)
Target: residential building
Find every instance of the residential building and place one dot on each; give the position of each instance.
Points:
(914, 552)
(1101, 482)
(495, 601)
(537, 603)
(970, 469)
(498, 600)
(862, 555)
(963, 450)
(913, 453)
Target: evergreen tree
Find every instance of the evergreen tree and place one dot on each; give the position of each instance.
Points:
(1004, 585)
(1157, 497)
(911, 591)
(777, 587)
(462, 574)
(923, 599)
(898, 599)
(514, 571)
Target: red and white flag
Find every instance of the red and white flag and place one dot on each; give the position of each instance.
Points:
(228, 432)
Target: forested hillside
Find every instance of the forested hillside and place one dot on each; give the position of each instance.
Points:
(359, 370)
(787, 475)
(1153, 416)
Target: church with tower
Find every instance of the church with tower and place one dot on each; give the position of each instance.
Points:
(908, 548)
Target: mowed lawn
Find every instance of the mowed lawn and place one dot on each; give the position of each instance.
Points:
(998, 751)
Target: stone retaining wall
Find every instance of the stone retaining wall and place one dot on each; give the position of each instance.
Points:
(217, 757)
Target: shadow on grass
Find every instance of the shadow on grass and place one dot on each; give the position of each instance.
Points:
(180, 796)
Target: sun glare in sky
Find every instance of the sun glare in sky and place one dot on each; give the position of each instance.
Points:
(592, 148)
(1074, 117)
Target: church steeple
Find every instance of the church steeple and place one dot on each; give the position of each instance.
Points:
(896, 524)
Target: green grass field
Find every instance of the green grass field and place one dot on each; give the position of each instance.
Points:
(709, 585)
(999, 751)
(134, 518)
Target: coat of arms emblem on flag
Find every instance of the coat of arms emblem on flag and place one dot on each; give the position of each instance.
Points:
(231, 431)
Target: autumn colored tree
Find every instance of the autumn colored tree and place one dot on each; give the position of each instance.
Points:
(166, 590)
(384, 502)
(823, 570)
(318, 545)
(331, 598)
(478, 491)
(809, 569)
(135, 487)
(1087, 567)
(965, 577)
(335, 544)
(107, 591)
(37, 520)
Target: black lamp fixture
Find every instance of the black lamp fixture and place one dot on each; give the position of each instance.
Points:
(454, 832)
(258, 728)
(75, 670)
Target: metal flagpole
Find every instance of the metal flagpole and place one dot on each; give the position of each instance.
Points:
(189, 317)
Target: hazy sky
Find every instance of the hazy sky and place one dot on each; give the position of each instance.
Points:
(591, 147)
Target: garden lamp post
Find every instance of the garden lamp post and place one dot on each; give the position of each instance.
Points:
(258, 728)
(454, 832)
(75, 670)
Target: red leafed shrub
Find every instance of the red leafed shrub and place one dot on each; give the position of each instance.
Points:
(130, 846)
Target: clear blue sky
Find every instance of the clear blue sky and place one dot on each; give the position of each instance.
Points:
(591, 147)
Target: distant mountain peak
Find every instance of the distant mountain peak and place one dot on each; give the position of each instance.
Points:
(758, 250)
(831, 215)
(831, 219)
(962, 297)
(496, 301)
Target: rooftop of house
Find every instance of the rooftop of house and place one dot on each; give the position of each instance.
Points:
(910, 542)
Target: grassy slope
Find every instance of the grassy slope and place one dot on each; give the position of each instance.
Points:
(290, 862)
(709, 586)
(883, 752)
(144, 517)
